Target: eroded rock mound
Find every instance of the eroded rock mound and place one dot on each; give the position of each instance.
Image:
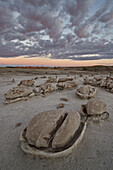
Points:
(67, 85)
(105, 82)
(52, 80)
(27, 83)
(46, 88)
(52, 133)
(86, 91)
(19, 93)
(65, 79)
(95, 108)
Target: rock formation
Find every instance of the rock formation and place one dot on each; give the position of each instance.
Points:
(19, 93)
(86, 91)
(27, 83)
(52, 133)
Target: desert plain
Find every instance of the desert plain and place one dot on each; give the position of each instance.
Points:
(94, 152)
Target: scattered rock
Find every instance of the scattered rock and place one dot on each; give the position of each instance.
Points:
(18, 124)
(65, 79)
(60, 85)
(13, 81)
(67, 85)
(35, 78)
(62, 80)
(105, 82)
(46, 88)
(52, 80)
(81, 75)
(61, 105)
(27, 83)
(43, 77)
(64, 99)
(43, 95)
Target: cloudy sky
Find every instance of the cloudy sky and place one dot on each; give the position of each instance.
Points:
(56, 32)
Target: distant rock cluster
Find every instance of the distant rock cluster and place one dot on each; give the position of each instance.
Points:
(23, 91)
(26, 88)
(105, 82)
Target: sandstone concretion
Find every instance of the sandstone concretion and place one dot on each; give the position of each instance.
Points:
(95, 109)
(46, 88)
(86, 91)
(66, 85)
(19, 93)
(52, 133)
(27, 83)
(52, 80)
(104, 82)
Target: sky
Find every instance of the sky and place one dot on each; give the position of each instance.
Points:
(56, 32)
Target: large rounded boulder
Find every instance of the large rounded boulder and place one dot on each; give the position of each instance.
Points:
(95, 109)
(52, 133)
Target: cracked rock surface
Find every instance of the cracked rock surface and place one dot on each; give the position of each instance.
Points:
(52, 131)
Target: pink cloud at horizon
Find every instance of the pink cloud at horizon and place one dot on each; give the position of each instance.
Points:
(52, 62)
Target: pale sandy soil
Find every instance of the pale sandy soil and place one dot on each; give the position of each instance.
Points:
(95, 152)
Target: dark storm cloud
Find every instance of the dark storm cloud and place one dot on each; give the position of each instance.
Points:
(81, 58)
(61, 28)
(107, 17)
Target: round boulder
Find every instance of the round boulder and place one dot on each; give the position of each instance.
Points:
(52, 133)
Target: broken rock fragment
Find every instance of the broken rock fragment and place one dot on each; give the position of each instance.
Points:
(52, 80)
(64, 99)
(61, 105)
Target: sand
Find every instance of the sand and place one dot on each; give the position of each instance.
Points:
(95, 152)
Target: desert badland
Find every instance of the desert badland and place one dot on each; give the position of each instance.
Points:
(54, 89)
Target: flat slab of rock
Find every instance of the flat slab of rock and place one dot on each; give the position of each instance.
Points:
(19, 93)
